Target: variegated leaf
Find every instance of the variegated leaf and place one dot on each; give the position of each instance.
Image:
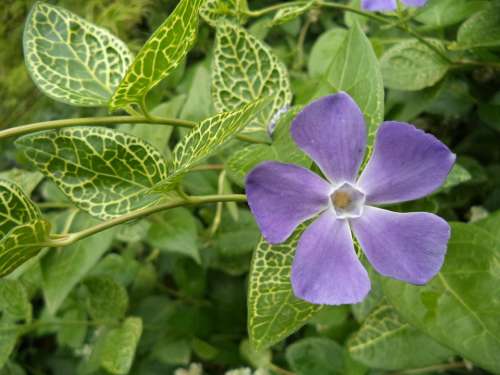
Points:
(213, 10)
(244, 70)
(15, 208)
(21, 244)
(273, 311)
(72, 60)
(207, 138)
(104, 172)
(161, 54)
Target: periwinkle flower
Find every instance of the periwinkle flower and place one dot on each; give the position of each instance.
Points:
(406, 164)
(388, 5)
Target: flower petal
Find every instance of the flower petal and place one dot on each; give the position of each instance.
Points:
(415, 3)
(326, 269)
(379, 5)
(332, 132)
(406, 164)
(281, 196)
(409, 246)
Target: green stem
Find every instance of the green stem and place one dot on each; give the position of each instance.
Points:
(69, 239)
(208, 167)
(425, 370)
(491, 64)
(105, 121)
(369, 15)
(280, 370)
(98, 121)
(54, 205)
(347, 8)
(220, 205)
(387, 21)
(273, 8)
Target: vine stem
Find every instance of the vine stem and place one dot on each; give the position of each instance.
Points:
(105, 121)
(378, 18)
(425, 370)
(386, 21)
(71, 238)
(273, 8)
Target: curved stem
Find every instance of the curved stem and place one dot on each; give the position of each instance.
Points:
(369, 15)
(491, 64)
(69, 239)
(425, 370)
(273, 8)
(347, 8)
(106, 121)
(208, 167)
(96, 121)
(387, 21)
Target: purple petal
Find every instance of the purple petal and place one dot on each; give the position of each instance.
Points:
(281, 196)
(406, 164)
(408, 247)
(379, 5)
(326, 269)
(332, 132)
(415, 3)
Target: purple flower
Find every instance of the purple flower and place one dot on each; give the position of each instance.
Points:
(388, 5)
(406, 164)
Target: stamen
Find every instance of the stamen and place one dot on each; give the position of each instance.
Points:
(347, 201)
(341, 200)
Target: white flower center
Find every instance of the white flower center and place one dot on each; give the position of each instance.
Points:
(347, 201)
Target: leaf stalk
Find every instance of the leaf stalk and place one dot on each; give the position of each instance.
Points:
(106, 121)
(71, 238)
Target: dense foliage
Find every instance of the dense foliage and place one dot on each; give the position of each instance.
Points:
(126, 244)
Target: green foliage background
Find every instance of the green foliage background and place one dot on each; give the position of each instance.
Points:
(195, 290)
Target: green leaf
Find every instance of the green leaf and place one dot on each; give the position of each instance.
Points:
(256, 358)
(14, 302)
(480, 30)
(326, 46)
(288, 14)
(70, 59)
(21, 244)
(458, 175)
(412, 66)
(161, 54)
(236, 237)
(8, 339)
(175, 231)
(245, 69)
(172, 352)
(386, 342)
(106, 300)
(26, 180)
(104, 172)
(64, 268)
(206, 139)
(213, 10)
(198, 105)
(355, 70)
(15, 208)
(118, 349)
(203, 349)
(157, 135)
(491, 224)
(273, 311)
(70, 334)
(442, 13)
(459, 307)
(316, 355)
(283, 149)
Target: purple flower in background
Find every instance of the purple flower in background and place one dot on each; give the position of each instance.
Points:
(406, 164)
(388, 5)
